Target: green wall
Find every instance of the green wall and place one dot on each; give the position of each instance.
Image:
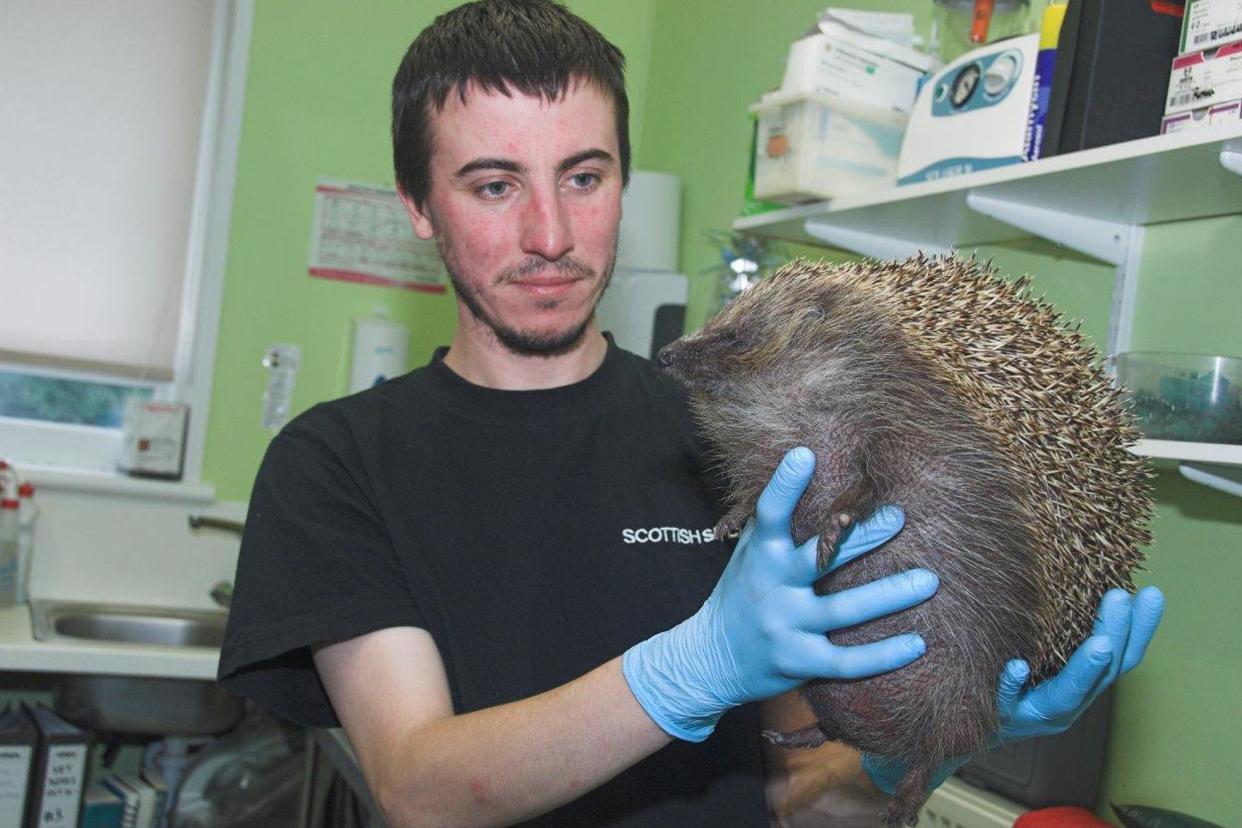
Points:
(317, 104)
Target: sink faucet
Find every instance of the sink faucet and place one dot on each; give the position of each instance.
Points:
(221, 591)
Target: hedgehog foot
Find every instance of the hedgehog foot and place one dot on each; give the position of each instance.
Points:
(856, 502)
(732, 522)
(805, 737)
(909, 797)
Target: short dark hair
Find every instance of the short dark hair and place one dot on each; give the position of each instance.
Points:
(537, 47)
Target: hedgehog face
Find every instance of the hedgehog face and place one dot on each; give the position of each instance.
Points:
(704, 359)
(746, 337)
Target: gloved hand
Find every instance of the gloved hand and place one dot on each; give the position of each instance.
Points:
(1124, 626)
(762, 630)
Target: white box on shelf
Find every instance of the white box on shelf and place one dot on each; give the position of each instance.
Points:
(1204, 116)
(973, 114)
(845, 63)
(1207, 24)
(1206, 78)
(813, 146)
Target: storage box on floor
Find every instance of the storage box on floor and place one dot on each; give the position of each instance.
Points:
(812, 145)
(1205, 84)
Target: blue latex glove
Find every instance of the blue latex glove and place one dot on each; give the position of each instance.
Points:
(762, 630)
(1124, 626)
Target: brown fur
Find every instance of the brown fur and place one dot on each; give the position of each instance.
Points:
(933, 385)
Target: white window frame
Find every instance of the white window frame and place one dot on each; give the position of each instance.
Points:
(73, 448)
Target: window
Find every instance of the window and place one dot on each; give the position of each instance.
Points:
(118, 151)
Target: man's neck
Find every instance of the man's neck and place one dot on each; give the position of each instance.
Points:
(478, 357)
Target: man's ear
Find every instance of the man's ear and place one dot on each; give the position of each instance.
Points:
(419, 218)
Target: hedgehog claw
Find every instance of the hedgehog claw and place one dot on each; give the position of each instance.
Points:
(810, 736)
(838, 522)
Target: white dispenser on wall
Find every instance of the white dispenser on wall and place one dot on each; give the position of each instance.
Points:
(645, 305)
(381, 349)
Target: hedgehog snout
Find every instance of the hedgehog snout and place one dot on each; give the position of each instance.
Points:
(666, 357)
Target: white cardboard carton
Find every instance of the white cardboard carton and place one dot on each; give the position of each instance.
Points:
(1210, 23)
(1206, 78)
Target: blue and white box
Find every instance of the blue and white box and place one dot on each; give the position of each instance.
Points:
(975, 114)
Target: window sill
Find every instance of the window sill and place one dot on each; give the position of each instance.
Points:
(54, 479)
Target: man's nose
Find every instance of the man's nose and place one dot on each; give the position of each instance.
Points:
(546, 232)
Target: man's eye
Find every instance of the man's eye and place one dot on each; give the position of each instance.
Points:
(493, 189)
(584, 180)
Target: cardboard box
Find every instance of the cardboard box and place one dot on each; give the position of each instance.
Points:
(974, 114)
(821, 64)
(1206, 116)
(1207, 24)
(815, 146)
(1205, 79)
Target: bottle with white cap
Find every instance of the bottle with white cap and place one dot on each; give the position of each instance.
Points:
(27, 511)
(8, 549)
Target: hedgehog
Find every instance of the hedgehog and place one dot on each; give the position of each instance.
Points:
(935, 385)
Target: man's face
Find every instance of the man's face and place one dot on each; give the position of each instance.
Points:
(524, 205)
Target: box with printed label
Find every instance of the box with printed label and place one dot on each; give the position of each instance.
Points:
(840, 61)
(1205, 78)
(1207, 24)
(810, 146)
(974, 114)
(1228, 112)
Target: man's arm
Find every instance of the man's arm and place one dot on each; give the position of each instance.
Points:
(426, 766)
(815, 786)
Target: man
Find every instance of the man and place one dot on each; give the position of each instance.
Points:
(496, 573)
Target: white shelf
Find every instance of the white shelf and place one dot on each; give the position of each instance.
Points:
(1220, 453)
(1095, 201)
(1184, 175)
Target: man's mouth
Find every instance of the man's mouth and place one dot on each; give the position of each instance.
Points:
(546, 285)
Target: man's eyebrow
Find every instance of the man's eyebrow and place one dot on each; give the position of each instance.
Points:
(586, 155)
(477, 164)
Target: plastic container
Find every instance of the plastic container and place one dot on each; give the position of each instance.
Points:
(956, 25)
(812, 146)
(27, 511)
(1190, 397)
(8, 550)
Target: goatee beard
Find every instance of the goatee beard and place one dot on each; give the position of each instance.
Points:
(527, 343)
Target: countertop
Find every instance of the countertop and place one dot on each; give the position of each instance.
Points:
(20, 652)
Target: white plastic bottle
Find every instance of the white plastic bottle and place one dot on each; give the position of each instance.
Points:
(381, 350)
(8, 550)
(27, 511)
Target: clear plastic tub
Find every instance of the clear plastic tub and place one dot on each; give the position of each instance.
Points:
(1191, 397)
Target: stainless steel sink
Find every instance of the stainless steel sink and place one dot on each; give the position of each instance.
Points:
(127, 625)
(137, 704)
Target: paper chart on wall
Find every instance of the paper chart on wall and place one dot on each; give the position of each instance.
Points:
(361, 233)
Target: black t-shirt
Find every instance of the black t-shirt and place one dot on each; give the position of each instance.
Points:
(534, 534)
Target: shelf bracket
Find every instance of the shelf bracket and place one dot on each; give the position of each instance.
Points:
(1231, 156)
(1226, 479)
(871, 245)
(1099, 239)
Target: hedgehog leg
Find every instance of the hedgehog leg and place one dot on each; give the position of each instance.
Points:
(855, 503)
(805, 737)
(909, 796)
